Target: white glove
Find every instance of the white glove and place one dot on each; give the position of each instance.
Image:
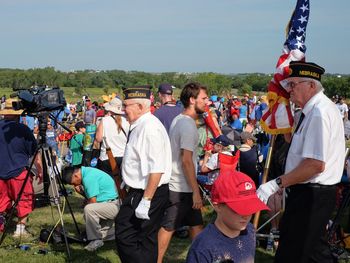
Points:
(266, 190)
(143, 208)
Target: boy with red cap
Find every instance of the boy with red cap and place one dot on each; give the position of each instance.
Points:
(232, 237)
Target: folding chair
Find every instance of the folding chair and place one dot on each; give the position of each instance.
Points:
(226, 163)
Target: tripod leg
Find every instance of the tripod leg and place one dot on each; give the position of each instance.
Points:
(47, 158)
(64, 192)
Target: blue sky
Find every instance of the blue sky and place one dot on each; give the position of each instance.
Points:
(225, 36)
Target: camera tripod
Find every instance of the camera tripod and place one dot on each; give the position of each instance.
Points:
(51, 176)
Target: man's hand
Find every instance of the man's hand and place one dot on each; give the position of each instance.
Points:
(143, 209)
(197, 200)
(266, 190)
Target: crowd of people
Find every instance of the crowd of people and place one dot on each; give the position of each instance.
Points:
(143, 167)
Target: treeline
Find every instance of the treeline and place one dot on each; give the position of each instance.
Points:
(116, 79)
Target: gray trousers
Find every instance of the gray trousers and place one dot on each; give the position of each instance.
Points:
(99, 219)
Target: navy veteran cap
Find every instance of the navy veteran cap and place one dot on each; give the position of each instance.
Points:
(138, 92)
(305, 70)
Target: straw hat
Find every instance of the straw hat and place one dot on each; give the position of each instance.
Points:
(8, 110)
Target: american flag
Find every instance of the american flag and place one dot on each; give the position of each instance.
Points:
(278, 118)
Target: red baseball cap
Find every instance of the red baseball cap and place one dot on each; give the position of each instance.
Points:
(237, 191)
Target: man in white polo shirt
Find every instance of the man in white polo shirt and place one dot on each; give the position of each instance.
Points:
(146, 170)
(315, 163)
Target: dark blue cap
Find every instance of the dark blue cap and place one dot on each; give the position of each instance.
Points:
(222, 139)
(165, 89)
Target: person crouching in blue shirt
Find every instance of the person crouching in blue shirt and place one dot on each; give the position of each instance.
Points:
(232, 237)
(103, 203)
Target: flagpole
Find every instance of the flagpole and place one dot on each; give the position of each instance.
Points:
(265, 175)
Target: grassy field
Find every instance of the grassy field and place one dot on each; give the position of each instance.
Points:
(46, 217)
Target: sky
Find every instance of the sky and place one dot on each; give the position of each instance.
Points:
(223, 36)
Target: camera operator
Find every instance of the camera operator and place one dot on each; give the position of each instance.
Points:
(18, 145)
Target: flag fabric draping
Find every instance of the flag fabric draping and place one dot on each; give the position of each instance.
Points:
(277, 118)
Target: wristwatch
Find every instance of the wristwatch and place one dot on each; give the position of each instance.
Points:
(279, 182)
(147, 198)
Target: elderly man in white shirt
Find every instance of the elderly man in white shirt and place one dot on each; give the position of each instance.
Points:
(146, 171)
(314, 164)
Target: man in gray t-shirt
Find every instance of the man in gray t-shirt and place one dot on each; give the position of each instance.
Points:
(183, 136)
(185, 200)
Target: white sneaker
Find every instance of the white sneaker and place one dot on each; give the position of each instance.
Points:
(93, 245)
(21, 234)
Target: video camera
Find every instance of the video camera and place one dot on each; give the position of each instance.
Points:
(38, 99)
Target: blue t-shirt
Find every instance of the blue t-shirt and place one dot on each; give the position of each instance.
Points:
(17, 145)
(243, 111)
(237, 125)
(29, 120)
(98, 184)
(259, 111)
(166, 114)
(213, 246)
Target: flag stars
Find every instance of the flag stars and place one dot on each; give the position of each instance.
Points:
(301, 29)
(299, 45)
(302, 19)
(299, 38)
(304, 8)
(296, 35)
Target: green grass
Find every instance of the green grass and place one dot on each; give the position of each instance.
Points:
(46, 217)
(95, 94)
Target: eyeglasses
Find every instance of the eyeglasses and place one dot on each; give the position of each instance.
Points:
(127, 105)
(291, 84)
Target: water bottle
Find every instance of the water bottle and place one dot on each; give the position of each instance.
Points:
(270, 240)
(93, 162)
